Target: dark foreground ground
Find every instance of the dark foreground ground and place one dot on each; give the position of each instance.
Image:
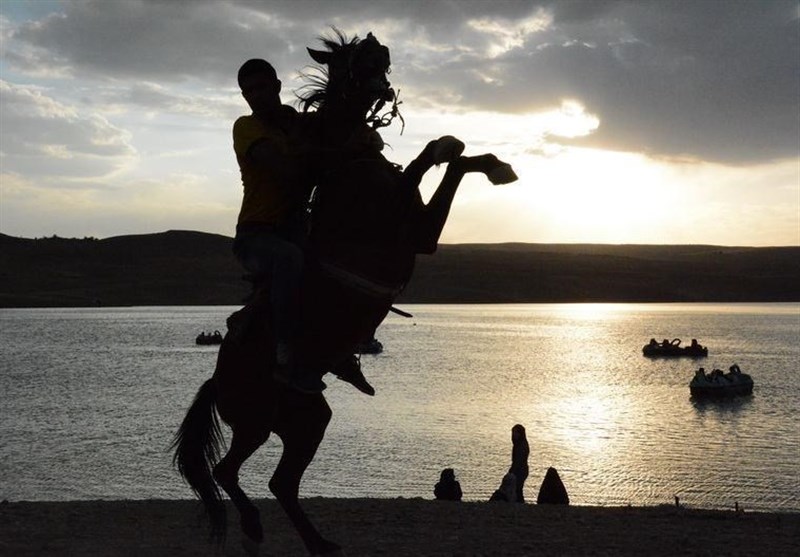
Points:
(399, 527)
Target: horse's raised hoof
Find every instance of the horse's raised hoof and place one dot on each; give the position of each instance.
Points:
(447, 149)
(502, 174)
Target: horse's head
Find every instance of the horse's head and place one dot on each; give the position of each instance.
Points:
(355, 71)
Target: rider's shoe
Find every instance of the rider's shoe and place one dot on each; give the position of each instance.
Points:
(447, 149)
(349, 371)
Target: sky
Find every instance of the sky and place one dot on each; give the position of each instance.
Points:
(639, 121)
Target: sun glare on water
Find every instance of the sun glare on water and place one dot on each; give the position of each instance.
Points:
(589, 312)
(589, 433)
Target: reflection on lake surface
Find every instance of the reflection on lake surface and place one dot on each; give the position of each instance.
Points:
(89, 400)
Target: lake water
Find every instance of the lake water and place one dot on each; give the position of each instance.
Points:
(90, 398)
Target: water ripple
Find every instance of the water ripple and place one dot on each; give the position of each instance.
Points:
(89, 400)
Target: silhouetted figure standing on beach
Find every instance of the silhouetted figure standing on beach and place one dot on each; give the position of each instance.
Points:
(519, 458)
(447, 488)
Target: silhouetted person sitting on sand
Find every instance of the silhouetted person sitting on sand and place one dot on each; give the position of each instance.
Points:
(552, 490)
(448, 488)
(519, 458)
(507, 491)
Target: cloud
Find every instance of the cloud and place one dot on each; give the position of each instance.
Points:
(719, 81)
(704, 80)
(43, 137)
(151, 99)
(151, 40)
(716, 81)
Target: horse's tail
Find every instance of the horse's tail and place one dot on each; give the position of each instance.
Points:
(197, 446)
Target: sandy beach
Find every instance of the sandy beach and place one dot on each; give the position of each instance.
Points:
(402, 527)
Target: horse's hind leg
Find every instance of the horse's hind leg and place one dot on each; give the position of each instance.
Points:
(226, 473)
(301, 434)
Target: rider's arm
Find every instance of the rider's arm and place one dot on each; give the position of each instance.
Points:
(259, 146)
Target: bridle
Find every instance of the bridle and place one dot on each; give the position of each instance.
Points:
(358, 70)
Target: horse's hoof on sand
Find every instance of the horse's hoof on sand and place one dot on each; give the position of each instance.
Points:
(502, 174)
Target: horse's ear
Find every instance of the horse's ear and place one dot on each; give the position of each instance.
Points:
(319, 56)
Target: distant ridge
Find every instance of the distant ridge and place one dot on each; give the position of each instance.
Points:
(197, 268)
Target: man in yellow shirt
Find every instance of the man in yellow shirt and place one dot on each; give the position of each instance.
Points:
(270, 229)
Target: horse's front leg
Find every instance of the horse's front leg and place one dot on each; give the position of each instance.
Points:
(431, 218)
(443, 150)
(301, 428)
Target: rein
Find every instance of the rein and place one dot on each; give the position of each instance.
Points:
(382, 120)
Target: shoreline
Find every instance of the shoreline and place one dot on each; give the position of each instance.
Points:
(418, 527)
(196, 268)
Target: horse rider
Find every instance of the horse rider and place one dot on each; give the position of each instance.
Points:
(270, 229)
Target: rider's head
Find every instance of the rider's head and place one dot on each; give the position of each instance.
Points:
(260, 85)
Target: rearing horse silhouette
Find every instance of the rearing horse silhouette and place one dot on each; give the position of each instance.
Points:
(368, 222)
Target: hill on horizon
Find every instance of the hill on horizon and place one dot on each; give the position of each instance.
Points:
(197, 268)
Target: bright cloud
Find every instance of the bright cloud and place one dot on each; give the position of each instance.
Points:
(504, 35)
(46, 138)
(116, 115)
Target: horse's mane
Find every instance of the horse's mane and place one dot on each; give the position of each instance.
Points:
(319, 88)
(315, 92)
